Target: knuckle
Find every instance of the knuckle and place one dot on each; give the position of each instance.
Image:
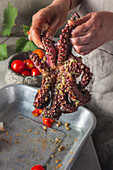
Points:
(95, 25)
(83, 28)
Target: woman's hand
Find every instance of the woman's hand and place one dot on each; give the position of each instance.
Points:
(50, 18)
(96, 29)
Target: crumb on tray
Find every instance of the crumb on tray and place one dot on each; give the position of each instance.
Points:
(2, 128)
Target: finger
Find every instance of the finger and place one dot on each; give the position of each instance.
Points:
(85, 49)
(54, 26)
(35, 35)
(82, 29)
(86, 17)
(29, 37)
(29, 34)
(82, 40)
(42, 26)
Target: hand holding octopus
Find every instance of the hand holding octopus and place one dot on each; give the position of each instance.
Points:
(96, 29)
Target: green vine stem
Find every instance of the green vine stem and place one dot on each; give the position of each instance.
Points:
(11, 35)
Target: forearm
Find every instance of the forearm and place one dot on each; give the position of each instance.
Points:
(68, 4)
(74, 3)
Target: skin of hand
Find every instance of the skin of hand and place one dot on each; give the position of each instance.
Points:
(50, 18)
(96, 29)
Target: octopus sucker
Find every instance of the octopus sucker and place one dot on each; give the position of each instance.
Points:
(61, 92)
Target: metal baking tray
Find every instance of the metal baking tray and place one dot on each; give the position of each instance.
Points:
(25, 143)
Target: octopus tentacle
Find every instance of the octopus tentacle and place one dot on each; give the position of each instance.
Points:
(63, 45)
(83, 96)
(39, 63)
(51, 51)
(86, 77)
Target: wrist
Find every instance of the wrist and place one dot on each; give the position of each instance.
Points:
(63, 4)
(108, 24)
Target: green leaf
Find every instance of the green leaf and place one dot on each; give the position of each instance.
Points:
(25, 29)
(10, 15)
(23, 44)
(3, 51)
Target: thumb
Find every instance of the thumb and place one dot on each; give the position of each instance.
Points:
(79, 21)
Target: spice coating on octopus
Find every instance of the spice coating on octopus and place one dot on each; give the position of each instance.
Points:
(64, 76)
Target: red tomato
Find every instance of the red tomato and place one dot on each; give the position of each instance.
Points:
(39, 52)
(35, 72)
(46, 121)
(37, 112)
(18, 66)
(40, 111)
(29, 64)
(25, 73)
(37, 167)
(48, 124)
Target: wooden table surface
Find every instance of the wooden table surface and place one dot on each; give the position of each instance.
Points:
(87, 159)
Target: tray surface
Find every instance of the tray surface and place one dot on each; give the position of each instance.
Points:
(26, 142)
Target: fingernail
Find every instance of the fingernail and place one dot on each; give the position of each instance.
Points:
(75, 47)
(29, 37)
(40, 46)
(72, 40)
(72, 32)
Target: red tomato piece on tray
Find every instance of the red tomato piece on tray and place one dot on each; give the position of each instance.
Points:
(26, 73)
(37, 167)
(18, 66)
(47, 121)
(29, 64)
(35, 72)
(39, 52)
(37, 112)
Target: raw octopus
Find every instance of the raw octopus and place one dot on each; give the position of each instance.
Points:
(64, 76)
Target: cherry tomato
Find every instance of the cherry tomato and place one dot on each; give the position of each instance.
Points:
(39, 52)
(25, 73)
(37, 167)
(18, 66)
(48, 124)
(37, 112)
(35, 72)
(29, 64)
(40, 111)
(46, 121)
